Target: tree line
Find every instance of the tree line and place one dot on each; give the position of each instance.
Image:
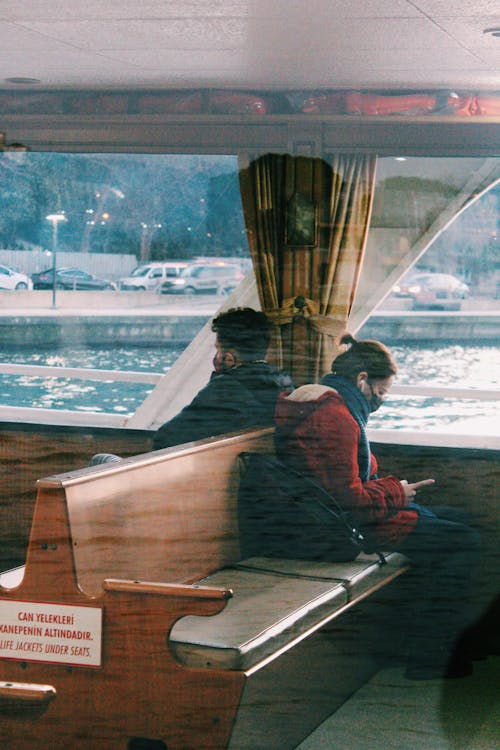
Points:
(154, 206)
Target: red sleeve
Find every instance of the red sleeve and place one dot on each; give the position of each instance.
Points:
(329, 442)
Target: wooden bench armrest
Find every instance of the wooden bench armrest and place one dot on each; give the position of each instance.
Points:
(167, 589)
(26, 693)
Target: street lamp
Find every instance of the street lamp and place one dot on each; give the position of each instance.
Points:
(54, 220)
(147, 233)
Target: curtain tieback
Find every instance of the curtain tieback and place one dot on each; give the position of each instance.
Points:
(328, 326)
(293, 308)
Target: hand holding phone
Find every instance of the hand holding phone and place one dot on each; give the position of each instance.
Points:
(410, 488)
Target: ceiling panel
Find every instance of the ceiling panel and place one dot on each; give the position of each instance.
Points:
(458, 8)
(190, 33)
(470, 31)
(251, 43)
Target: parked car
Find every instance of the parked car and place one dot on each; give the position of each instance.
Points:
(151, 275)
(401, 288)
(437, 290)
(10, 278)
(69, 278)
(205, 278)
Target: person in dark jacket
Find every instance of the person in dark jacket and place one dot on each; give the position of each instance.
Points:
(321, 430)
(242, 390)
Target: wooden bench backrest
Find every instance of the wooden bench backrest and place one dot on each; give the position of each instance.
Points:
(170, 515)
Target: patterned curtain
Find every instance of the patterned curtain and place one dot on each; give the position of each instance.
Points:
(307, 221)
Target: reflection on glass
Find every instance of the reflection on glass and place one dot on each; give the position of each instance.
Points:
(437, 217)
(430, 213)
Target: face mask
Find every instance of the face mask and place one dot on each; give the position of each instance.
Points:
(222, 362)
(218, 362)
(375, 401)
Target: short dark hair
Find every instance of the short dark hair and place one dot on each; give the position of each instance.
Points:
(244, 329)
(367, 355)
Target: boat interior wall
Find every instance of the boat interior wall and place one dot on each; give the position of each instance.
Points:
(28, 452)
(465, 478)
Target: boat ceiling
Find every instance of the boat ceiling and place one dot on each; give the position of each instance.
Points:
(250, 44)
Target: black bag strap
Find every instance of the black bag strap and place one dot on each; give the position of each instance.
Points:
(328, 502)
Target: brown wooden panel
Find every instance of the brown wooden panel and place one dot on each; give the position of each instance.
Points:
(466, 479)
(28, 452)
(139, 690)
(167, 516)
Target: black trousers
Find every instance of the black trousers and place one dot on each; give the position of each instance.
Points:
(440, 586)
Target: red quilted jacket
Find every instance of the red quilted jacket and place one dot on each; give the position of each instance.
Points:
(316, 434)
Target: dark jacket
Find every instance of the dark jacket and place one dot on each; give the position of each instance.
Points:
(237, 399)
(316, 434)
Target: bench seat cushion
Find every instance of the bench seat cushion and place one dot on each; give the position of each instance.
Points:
(274, 603)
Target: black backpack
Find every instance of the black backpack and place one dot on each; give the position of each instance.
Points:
(282, 513)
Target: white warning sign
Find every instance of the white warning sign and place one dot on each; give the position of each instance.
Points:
(49, 632)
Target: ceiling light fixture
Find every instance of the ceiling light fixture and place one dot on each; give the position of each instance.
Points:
(493, 31)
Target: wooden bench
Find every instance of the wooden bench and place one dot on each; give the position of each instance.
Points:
(136, 625)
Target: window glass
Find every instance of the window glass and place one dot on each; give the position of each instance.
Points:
(430, 290)
(140, 271)
(434, 206)
(429, 285)
(114, 214)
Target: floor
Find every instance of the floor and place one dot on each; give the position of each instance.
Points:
(392, 713)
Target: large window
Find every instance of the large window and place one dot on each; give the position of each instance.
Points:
(122, 228)
(430, 289)
(136, 223)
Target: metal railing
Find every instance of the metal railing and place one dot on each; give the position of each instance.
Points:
(46, 371)
(89, 418)
(40, 415)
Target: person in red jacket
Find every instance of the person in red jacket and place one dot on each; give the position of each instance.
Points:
(321, 431)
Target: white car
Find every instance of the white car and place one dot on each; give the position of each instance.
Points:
(12, 279)
(150, 276)
(205, 278)
(437, 291)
